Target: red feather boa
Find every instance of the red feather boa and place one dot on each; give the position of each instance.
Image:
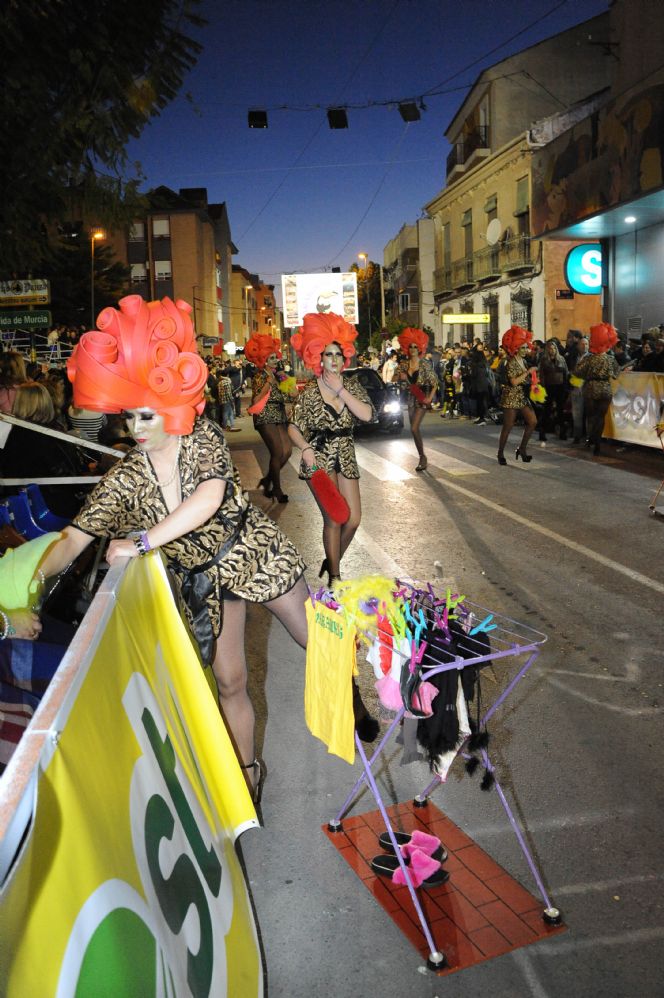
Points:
(329, 497)
(257, 407)
(418, 394)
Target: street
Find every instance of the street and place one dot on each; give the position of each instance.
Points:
(566, 545)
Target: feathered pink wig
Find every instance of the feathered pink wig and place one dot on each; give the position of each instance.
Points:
(141, 356)
(516, 337)
(259, 348)
(413, 335)
(603, 336)
(318, 331)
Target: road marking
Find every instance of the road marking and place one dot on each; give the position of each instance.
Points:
(379, 467)
(438, 458)
(525, 964)
(581, 549)
(616, 708)
(606, 886)
(559, 948)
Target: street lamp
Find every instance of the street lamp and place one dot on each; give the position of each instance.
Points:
(96, 235)
(247, 289)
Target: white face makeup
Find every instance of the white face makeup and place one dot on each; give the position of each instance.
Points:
(272, 360)
(332, 359)
(147, 428)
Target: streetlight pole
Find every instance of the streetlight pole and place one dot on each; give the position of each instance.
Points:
(247, 289)
(96, 235)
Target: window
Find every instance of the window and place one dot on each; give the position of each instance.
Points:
(162, 270)
(139, 273)
(268, 321)
(267, 302)
(404, 302)
(522, 196)
(161, 228)
(137, 232)
(447, 246)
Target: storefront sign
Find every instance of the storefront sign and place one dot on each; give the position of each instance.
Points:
(583, 269)
(127, 881)
(38, 319)
(479, 318)
(33, 292)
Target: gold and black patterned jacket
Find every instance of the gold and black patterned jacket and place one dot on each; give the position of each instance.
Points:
(330, 433)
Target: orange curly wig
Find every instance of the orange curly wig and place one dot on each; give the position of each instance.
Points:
(516, 337)
(259, 348)
(141, 356)
(318, 331)
(603, 336)
(413, 335)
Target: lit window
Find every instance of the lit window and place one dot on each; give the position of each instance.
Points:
(139, 273)
(162, 270)
(161, 228)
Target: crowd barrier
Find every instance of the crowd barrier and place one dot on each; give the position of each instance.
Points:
(636, 408)
(119, 812)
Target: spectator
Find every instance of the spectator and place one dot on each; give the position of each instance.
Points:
(389, 368)
(649, 361)
(226, 402)
(620, 353)
(576, 394)
(30, 455)
(479, 381)
(553, 375)
(12, 374)
(85, 423)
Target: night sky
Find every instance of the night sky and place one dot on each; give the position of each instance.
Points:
(300, 196)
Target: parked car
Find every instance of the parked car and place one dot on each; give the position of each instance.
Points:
(385, 400)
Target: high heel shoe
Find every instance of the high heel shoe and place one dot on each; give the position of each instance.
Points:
(279, 496)
(422, 466)
(324, 570)
(258, 780)
(501, 459)
(527, 458)
(264, 484)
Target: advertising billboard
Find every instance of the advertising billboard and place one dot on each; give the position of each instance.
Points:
(327, 292)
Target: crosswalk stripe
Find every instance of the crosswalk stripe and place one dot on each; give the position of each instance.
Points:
(439, 458)
(384, 470)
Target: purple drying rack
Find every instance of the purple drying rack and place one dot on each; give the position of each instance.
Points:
(508, 639)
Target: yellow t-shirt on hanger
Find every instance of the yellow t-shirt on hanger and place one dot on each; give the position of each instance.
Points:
(328, 690)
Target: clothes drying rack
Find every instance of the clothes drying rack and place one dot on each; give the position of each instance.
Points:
(508, 639)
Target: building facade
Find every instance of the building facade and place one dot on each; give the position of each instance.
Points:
(182, 248)
(486, 259)
(601, 180)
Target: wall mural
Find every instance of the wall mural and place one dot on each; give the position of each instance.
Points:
(609, 158)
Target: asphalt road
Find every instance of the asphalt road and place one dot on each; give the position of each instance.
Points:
(565, 544)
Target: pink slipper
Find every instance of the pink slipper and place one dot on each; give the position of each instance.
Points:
(423, 870)
(428, 844)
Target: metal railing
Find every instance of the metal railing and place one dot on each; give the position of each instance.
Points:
(44, 352)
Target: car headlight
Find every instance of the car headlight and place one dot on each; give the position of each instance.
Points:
(392, 407)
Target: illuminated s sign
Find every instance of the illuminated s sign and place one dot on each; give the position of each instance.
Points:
(583, 269)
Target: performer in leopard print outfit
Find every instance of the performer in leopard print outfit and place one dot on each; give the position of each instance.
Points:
(178, 490)
(271, 422)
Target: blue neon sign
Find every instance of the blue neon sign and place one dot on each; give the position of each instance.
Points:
(583, 269)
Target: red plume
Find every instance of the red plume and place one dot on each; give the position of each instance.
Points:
(257, 407)
(418, 394)
(329, 497)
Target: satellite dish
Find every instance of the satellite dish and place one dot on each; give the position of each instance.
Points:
(493, 231)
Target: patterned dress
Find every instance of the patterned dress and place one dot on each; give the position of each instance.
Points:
(329, 432)
(424, 377)
(275, 408)
(597, 369)
(514, 396)
(261, 563)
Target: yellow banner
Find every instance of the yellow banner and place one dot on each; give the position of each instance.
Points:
(328, 690)
(128, 882)
(637, 406)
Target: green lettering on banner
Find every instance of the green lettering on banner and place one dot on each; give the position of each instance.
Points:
(328, 624)
(177, 893)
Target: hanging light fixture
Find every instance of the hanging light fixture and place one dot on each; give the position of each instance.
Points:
(337, 117)
(257, 119)
(409, 110)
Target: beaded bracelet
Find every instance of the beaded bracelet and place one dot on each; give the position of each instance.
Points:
(8, 630)
(142, 543)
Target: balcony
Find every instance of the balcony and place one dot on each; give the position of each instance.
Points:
(442, 281)
(462, 272)
(515, 254)
(455, 161)
(476, 145)
(487, 264)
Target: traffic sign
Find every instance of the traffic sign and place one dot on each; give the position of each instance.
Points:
(30, 292)
(25, 319)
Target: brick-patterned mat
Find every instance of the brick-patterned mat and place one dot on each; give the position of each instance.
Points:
(481, 911)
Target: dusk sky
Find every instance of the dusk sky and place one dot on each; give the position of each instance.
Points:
(300, 196)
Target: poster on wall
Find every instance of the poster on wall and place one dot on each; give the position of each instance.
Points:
(327, 292)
